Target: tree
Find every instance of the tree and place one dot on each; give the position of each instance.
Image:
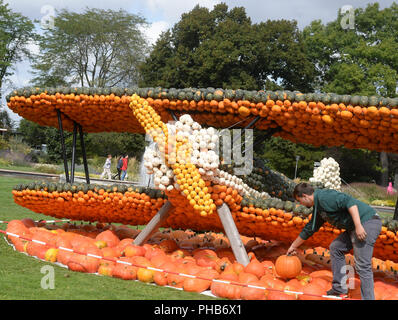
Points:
(96, 48)
(113, 143)
(16, 33)
(281, 156)
(223, 48)
(359, 61)
(32, 133)
(96, 144)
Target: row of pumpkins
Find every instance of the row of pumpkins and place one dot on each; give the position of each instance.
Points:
(318, 119)
(212, 258)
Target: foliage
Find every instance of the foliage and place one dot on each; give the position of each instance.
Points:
(32, 133)
(4, 145)
(16, 33)
(281, 156)
(96, 48)
(356, 165)
(223, 48)
(97, 144)
(358, 61)
(113, 143)
(369, 193)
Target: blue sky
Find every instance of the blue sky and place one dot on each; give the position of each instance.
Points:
(163, 14)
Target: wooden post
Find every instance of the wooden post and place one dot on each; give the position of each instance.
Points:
(233, 235)
(154, 224)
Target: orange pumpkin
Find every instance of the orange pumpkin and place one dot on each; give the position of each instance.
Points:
(276, 295)
(312, 291)
(109, 237)
(255, 267)
(288, 267)
(124, 271)
(145, 275)
(249, 293)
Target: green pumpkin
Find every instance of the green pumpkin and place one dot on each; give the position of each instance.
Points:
(219, 94)
(363, 101)
(239, 94)
(355, 100)
(117, 91)
(198, 96)
(181, 95)
(373, 101)
(189, 95)
(298, 96)
(229, 94)
(346, 99)
(209, 96)
(393, 102)
(173, 94)
(326, 98)
(335, 98)
(288, 206)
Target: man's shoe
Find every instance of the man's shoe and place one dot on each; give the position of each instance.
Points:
(333, 292)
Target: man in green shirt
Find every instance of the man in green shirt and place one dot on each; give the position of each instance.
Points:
(362, 227)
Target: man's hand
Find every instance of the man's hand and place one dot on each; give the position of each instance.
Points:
(360, 232)
(291, 251)
(293, 247)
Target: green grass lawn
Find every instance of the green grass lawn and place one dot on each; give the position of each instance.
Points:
(21, 276)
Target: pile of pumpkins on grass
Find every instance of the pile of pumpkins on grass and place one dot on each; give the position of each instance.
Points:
(207, 256)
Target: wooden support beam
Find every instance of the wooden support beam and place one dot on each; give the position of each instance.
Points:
(154, 224)
(233, 235)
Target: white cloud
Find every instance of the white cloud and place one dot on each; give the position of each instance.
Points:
(171, 10)
(153, 32)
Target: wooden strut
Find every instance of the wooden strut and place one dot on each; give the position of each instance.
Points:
(154, 224)
(226, 219)
(233, 235)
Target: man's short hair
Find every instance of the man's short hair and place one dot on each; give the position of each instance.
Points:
(303, 188)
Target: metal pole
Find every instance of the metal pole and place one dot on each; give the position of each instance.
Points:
(396, 211)
(173, 115)
(61, 131)
(72, 170)
(270, 134)
(84, 154)
(295, 171)
(252, 123)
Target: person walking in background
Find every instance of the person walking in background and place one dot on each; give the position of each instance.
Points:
(119, 168)
(390, 189)
(107, 168)
(124, 167)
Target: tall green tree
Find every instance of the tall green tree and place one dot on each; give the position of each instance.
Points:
(223, 48)
(358, 61)
(16, 33)
(32, 133)
(96, 48)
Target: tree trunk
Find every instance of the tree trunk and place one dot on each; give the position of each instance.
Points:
(384, 167)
